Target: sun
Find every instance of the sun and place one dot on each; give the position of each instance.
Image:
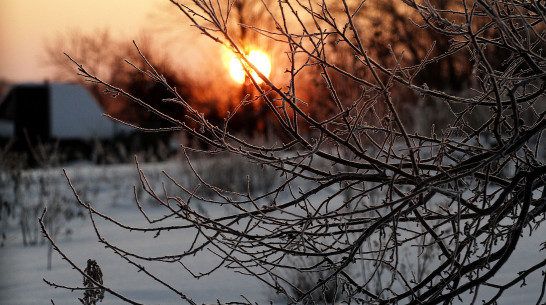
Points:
(258, 59)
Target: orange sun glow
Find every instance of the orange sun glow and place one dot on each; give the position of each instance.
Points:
(258, 59)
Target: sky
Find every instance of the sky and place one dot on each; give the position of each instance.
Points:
(26, 26)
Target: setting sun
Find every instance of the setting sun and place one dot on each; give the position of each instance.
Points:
(258, 59)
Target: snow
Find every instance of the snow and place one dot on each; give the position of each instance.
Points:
(110, 190)
(76, 115)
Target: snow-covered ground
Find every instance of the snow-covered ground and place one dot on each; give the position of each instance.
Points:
(110, 190)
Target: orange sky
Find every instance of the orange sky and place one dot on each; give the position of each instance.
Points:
(26, 25)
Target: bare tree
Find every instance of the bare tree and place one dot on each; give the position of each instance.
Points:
(371, 211)
(108, 58)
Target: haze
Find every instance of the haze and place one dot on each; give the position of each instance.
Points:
(26, 26)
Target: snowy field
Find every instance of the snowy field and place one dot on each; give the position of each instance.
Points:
(110, 190)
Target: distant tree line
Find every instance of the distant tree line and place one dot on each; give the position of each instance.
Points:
(386, 27)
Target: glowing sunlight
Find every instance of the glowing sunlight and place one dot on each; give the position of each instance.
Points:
(258, 59)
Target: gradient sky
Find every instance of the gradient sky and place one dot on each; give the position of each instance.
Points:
(27, 25)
